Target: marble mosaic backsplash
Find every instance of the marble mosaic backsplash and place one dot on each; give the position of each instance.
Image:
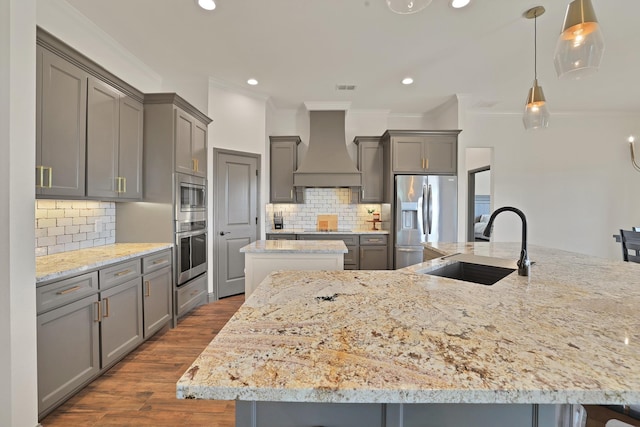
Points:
(321, 201)
(67, 225)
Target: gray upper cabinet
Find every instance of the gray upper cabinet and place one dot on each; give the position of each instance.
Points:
(423, 152)
(191, 144)
(283, 156)
(130, 148)
(370, 163)
(61, 113)
(114, 143)
(89, 126)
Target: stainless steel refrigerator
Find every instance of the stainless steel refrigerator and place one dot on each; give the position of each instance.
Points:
(425, 210)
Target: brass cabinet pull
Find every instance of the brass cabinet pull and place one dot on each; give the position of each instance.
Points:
(41, 169)
(194, 165)
(69, 290)
(97, 319)
(41, 184)
(118, 184)
(124, 184)
(291, 192)
(122, 273)
(159, 261)
(147, 284)
(426, 163)
(363, 192)
(106, 309)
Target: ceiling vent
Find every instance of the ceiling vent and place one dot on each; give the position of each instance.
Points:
(345, 87)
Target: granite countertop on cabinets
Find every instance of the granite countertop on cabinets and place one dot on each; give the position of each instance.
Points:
(67, 264)
(312, 231)
(568, 333)
(296, 246)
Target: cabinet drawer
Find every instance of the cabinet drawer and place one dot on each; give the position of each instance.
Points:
(375, 239)
(281, 236)
(119, 273)
(65, 291)
(156, 261)
(191, 295)
(348, 239)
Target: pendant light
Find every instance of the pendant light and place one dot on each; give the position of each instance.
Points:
(580, 45)
(536, 114)
(404, 7)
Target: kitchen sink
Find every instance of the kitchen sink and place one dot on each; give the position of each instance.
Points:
(476, 269)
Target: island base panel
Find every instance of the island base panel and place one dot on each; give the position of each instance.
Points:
(295, 414)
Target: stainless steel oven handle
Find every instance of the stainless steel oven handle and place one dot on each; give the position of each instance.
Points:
(183, 234)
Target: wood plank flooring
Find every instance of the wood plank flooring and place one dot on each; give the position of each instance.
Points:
(140, 390)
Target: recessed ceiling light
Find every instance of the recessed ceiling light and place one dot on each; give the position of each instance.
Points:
(207, 4)
(407, 81)
(459, 3)
(252, 82)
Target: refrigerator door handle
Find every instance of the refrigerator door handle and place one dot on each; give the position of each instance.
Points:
(430, 208)
(425, 230)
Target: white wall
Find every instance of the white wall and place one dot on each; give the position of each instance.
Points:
(239, 124)
(572, 180)
(18, 393)
(66, 23)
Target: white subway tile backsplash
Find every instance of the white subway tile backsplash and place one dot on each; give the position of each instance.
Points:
(323, 201)
(68, 225)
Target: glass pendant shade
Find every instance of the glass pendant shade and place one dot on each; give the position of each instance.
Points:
(407, 6)
(536, 114)
(581, 45)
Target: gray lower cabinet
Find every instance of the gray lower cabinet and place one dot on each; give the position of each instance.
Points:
(61, 113)
(280, 236)
(191, 295)
(86, 323)
(68, 350)
(114, 143)
(120, 321)
(156, 288)
(373, 252)
(370, 163)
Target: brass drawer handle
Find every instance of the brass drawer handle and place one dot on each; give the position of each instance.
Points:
(160, 261)
(69, 290)
(426, 163)
(147, 284)
(97, 304)
(106, 309)
(122, 273)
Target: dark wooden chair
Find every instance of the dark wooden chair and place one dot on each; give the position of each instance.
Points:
(630, 245)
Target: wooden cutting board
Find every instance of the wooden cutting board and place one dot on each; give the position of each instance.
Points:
(327, 222)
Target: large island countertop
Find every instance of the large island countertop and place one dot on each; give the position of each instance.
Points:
(296, 247)
(569, 333)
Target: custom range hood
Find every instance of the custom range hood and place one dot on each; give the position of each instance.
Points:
(327, 162)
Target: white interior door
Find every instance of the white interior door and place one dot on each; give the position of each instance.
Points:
(235, 216)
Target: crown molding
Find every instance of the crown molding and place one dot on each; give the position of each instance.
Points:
(327, 105)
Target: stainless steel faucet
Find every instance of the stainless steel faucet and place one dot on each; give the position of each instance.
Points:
(524, 265)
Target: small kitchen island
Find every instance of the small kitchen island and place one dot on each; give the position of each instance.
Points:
(264, 256)
(408, 349)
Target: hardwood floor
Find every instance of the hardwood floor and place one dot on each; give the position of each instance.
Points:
(140, 390)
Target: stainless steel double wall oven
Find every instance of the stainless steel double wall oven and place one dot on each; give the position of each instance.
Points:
(191, 227)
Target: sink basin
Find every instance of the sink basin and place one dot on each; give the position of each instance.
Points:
(476, 269)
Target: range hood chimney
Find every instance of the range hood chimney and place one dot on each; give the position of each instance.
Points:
(327, 162)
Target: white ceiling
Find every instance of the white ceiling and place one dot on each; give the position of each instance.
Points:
(299, 50)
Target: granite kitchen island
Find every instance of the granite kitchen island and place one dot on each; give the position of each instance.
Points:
(367, 348)
(264, 256)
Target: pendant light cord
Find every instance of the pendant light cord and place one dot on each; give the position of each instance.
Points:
(535, 46)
